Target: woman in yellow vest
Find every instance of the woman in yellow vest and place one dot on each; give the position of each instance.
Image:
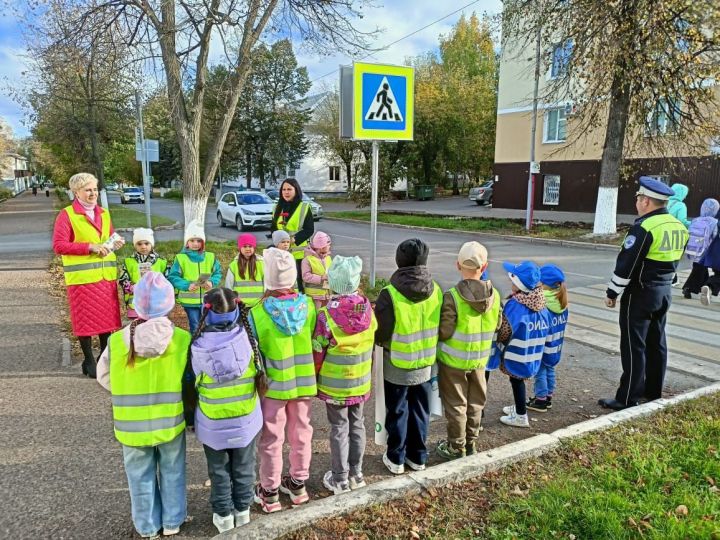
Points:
(295, 217)
(343, 342)
(144, 259)
(283, 323)
(315, 269)
(143, 368)
(82, 236)
(245, 275)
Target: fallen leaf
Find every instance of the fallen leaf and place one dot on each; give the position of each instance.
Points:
(710, 480)
(682, 510)
(632, 522)
(415, 535)
(573, 399)
(519, 492)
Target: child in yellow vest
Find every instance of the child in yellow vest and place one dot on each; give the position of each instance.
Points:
(342, 347)
(149, 359)
(283, 323)
(245, 274)
(142, 261)
(194, 272)
(314, 269)
(469, 319)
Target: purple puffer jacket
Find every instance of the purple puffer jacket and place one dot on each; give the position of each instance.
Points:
(224, 356)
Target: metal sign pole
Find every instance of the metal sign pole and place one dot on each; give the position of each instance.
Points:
(374, 209)
(533, 130)
(144, 161)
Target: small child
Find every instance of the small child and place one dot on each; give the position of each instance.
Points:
(149, 360)
(143, 260)
(556, 298)
(521, 338)
(228, 418)
(281, 240)
(194, 272)
(703, 231)
(342, 347)
(315, 268)
(408, 315)
(468, 322)
(283, 322)
(245, 275)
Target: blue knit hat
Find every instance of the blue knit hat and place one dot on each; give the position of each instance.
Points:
(344, 274)
(154, 296)
(525, 275)
(551, 275)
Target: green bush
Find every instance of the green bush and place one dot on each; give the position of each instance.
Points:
(5, 193)
(173, 194)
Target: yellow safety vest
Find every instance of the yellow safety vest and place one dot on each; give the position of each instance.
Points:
(347, 368)
(319, 268)
(248, 290)
(288, 359)
(669, 237)
(293, 225)
(147, 397)
(413, 344)
(133, 269)
(230, 399)
(191, 271)
(91, 268)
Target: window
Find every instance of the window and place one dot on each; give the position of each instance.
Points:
(228, 198)
(561, 59)
(334, 173)
(663, 118)
(551, 189)
(555, 126)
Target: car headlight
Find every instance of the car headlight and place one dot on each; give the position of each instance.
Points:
(248, 212)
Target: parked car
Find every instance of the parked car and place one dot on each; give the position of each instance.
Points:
(317, 210)
(112, 187)
(482, 194)
(245, 209)
(132, 194)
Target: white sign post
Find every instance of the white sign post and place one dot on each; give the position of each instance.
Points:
(146, 151)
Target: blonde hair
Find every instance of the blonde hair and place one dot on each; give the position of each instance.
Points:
(560, 293)
(80, 180)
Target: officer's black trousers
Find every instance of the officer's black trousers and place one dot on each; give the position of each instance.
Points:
(643, 349)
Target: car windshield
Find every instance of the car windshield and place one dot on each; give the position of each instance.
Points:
(254, 198)
(487, 184)
(133, 190)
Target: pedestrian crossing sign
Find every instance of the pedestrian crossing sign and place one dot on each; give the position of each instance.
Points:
(383, 100)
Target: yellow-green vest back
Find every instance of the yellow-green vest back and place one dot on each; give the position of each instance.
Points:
(133, 269)
(249, 291)
(91, 268)
(230, 399)
(191, 271)
(319, 268)
(293, 225)
(669, 237)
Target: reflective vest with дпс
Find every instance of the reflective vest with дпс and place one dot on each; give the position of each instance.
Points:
(669, 238)
(91, 268)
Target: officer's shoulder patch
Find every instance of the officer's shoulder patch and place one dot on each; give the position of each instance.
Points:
(629, 241)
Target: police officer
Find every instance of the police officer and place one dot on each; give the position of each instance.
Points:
(643, 276)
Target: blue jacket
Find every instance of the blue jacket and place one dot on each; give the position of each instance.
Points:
(556, 334)
(711, 259)
(175, 275)
(676, 207)
(522, 355)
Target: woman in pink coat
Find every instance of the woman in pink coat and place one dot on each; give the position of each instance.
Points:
(81, 231)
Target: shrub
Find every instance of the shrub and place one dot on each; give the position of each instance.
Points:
(173, 194)
(5, 193)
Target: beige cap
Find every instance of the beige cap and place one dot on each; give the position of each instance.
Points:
(472, 256)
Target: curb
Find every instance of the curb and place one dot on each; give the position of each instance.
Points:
(65, 353)
(275, 525)
(176, 225)
(528, 239)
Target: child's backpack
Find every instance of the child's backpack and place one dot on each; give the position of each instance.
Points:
(702, 230)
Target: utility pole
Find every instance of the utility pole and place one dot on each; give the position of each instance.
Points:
(533, 128)
(143, 160)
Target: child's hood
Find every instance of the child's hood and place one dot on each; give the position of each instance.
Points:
(222, 355)
(351, 312)
(478, 294)
(413, 282)
(151, 337)
(709, 208)
(194, 256)
(552, 302)
(310, 252)
(534, 300)
(680, 191)
(289, 313)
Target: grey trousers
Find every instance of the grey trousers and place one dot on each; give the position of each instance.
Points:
(232, 474)
(347, 440)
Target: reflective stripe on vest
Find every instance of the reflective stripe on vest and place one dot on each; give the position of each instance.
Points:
(288, 359)
(413, 344)
(91, 268)
(347, 368)
(249, 291)
(147, 397)
(319, 268)
(669, 238)
(229, 399)
(522, 355)
(555, 338)
(470, 345)
(191, 272)
(133, 269)
(293, 226)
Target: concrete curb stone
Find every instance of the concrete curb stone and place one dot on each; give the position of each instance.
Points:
(176, 225)
(274, 525)
(66, 353)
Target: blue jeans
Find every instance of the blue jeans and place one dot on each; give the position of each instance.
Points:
(407, 421)
(193, 315)
(545, 381)
(232, 473)
(156, 478)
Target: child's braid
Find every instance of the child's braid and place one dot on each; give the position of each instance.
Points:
(131, 354)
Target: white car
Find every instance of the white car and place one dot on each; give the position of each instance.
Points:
(245, 209)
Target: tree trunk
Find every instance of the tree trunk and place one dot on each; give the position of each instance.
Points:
(261, 170)
(248, 170)
(619, 107)
(348, 174)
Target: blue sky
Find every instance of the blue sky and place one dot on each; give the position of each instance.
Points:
(397, 17)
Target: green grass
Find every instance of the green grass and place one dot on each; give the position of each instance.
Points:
(124, 218)
(564, 231)
(654, 478)
(173, 194)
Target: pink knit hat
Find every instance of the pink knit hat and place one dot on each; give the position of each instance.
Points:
(246, 239)
(320, 240)
(280, 270)
(154, 296)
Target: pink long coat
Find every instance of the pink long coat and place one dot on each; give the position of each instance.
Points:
(94, 307)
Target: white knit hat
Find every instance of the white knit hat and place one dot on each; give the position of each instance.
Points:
(194, 229)
(141, 234)
(280, 271)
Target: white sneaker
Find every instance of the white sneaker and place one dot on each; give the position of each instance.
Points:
(392, 467)
(414, 466)
(705, 295)
(516, 420)
(171, 532)
(223, 524)
(510, 409)
(357, 482)
(241, 518)
(336, 487)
